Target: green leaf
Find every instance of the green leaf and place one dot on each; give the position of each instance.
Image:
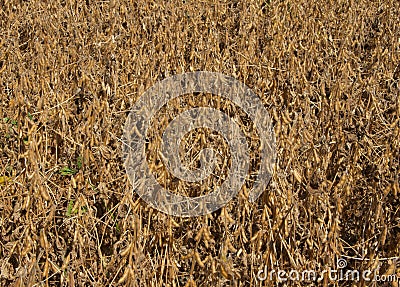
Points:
(79, 162)
(70, 208)
(68, 171)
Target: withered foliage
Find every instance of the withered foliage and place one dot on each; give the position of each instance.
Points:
(328, 73)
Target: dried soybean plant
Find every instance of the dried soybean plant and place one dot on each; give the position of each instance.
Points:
(326, 71)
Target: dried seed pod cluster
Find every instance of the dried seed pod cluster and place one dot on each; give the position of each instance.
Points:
(70, 71)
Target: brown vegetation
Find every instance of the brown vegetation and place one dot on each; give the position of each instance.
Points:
(328, 73)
